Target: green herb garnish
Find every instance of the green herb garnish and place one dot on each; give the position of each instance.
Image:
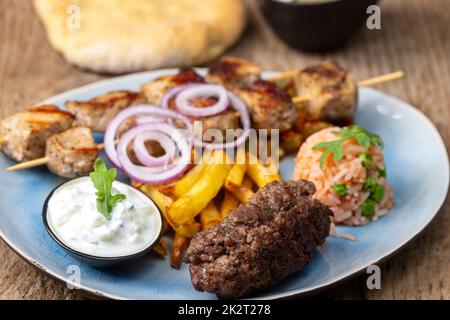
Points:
(102, 178)
(381, 173)
(375, 189)
(340, 189)
(364, 138)
(366, 159)
(368, 208)
(369, 184)
(377, 193)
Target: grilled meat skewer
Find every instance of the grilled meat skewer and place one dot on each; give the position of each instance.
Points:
(330, 92)
(232, 72)
(24, 134)
(97, 113)
(72, 153)
(269, 106)
(156, 88)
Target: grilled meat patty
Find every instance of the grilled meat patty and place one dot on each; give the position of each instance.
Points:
(72, 153)
(232, 72)
(98, 112)
(269, 106)
(24, 134)
(260, 243)
(332, 94)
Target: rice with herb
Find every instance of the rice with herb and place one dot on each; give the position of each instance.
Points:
(347, 167)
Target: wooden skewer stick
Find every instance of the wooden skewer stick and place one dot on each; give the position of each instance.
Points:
(380, 79)
(29, 164)
(37, 162)
(364, 83)
(284, 75)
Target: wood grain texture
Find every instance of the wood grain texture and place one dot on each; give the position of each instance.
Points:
(414, 37)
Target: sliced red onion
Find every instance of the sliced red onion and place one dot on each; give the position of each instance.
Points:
(147, 159)
(172, 93)
(184, 97)
(239, 106)
(154, 175)
(136, 111)
(149, 119)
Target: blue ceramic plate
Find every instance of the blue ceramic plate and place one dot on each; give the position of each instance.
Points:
(418, 170)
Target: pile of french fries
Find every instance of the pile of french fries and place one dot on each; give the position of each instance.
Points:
(205, 195)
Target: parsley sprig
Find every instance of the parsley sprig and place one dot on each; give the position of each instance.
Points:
(335, 148)
(102, 178)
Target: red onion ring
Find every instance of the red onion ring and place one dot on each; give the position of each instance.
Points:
(154, 175)
(149, 119)
(184, 97)
(110, 134)
(172, 93)
(239, 106)
(147, 159)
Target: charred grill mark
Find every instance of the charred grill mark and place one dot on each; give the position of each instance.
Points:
(328, 69)
(187, 75)
(49, 109)
(84, 150)
(109, 99)
(224, 69)
(271, 97)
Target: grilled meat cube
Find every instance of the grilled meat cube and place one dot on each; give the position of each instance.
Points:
(72, 153)
(269, 106)
(223, 121)
(260, 243)
(332, 94)
(232, 72)
(98, 112)
(229, 119)
(24, 134)
(155, 89)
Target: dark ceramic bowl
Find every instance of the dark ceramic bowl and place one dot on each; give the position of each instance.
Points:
(96, 261)
(316, 27)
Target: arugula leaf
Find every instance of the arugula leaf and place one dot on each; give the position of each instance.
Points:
(102, 178)
(364, 138)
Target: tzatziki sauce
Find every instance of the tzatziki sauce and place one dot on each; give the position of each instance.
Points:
(73, 217)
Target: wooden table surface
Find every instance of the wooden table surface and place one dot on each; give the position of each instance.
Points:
(414, 37)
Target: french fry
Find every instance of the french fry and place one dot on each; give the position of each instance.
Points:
(260, 173)
(182, 186)
(166, 226)
(189, 229)
(187, 207)
(244, 192)
(237, 172)
(236, 175)
(229, 202)
(209, 216)
(136, 184)
(161, 248)
(180, 244)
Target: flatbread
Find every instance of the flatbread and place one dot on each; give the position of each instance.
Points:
(117, 36)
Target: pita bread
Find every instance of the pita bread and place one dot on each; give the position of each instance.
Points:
(117, 36)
